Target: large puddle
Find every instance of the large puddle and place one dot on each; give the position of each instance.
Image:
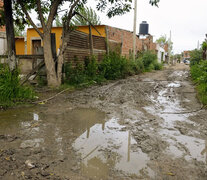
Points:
(102, 145)
(105, 147)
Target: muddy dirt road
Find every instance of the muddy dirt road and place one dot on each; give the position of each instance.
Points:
(149, 126)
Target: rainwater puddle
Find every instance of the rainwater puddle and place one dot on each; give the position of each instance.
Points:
(187, 146)
(102, 145)
(179, 73)
(168, 108)
(104, 148)
(174, 84)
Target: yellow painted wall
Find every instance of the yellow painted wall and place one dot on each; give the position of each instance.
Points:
(20, 46)
(100, 28)
(32, 34)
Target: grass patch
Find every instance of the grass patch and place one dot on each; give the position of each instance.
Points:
(11, 91)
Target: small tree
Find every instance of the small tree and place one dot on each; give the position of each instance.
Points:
(162, 40)
(89, 14)
(204, 48)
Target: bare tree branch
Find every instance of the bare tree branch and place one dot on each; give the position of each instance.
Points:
(30, 19)
(71, 14)
(88, 22)
(53, 12)
(40, 13)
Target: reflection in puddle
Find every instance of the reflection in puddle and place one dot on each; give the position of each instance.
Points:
(106, 148)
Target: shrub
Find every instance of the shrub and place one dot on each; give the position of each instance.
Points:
(148, 58)
(199, 75)
(114, 66)
(91, 67)
(74, 75)
(11, 91)
(157, 66)
(195, 56)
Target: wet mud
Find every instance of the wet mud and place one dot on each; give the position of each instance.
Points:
(149, 126)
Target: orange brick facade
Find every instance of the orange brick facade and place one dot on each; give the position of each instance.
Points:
(2, 29)
(186, 54)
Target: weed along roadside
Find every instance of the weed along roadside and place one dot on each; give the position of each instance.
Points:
(198, 71)
(112, 67)
(11, 91)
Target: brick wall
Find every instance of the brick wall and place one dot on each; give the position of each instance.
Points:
(125, 38)
(186, 54)
(2, 29)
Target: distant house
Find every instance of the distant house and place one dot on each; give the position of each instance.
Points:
(186, 54)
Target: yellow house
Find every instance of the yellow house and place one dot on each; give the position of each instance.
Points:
(20, 45)
(34, 40)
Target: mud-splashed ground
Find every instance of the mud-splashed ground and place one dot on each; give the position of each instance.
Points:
(149, 126)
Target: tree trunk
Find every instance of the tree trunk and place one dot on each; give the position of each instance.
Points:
(61, 57)
(52, 78)
(10, 34)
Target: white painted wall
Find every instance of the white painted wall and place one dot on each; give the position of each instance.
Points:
(160, 51)
(3, 45)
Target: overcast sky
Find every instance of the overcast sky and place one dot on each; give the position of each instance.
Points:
(187, 19)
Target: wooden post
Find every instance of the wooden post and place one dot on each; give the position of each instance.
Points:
(107, 40)
(90, 41)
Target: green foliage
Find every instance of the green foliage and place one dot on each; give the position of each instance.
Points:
(148, 59)
(112, 67)
(11, 91)
(162, 40)
(195, 56)
(89, 14)
(157, 66)
(58, 21)
(199, 75)
(204, 46)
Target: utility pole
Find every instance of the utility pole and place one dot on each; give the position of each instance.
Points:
(135, 29)
(169, 49)
(198, 46)
(206, 49)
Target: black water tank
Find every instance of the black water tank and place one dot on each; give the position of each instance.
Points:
(144, 28)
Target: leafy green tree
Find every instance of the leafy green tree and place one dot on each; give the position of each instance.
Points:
(162, 40)
(89, 14)
(195, 56)
(58, 22)
(18, 31)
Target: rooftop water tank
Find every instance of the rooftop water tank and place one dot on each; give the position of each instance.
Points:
(144, 28)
